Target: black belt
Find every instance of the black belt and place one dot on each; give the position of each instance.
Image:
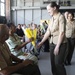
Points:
(51, 36)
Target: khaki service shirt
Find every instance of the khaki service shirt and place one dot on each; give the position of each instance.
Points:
(57, 25)
(70, 29)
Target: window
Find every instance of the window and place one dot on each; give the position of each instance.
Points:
(2, 7)
(2, 0)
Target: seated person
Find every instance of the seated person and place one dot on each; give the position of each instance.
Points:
(15, 44)
(7, 67)
(19, 31)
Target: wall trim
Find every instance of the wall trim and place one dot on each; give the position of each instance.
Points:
(28, 8)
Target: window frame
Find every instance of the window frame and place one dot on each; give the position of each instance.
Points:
(0, 7)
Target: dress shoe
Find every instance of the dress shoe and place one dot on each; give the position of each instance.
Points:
(67, 63)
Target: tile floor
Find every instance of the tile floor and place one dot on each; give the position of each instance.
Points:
(44, 64)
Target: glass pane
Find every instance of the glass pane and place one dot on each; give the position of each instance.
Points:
(2, 9)
(2, 0)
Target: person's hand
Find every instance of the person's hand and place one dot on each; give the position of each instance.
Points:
(30, 39)
(27, 62)
(39, 45)
(25, 54)
(56, 50)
